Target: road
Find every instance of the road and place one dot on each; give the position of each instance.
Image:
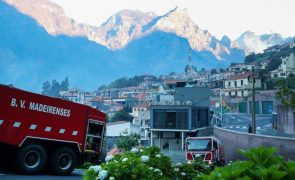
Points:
(240, 122)
(6, 175)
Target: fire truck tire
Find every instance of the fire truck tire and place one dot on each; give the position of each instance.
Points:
(30, 159)
(63, 161)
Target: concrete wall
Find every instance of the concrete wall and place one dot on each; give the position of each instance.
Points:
(236, 140)
(286, 120)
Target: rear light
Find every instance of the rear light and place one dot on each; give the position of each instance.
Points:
(208, 157)
(189, 156)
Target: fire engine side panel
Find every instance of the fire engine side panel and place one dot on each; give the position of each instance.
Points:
(24, 114)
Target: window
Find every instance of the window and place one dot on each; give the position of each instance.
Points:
(229, 84)
(235, 83)
(242, 82)
(199, 145)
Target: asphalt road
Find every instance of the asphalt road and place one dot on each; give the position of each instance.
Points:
(240, 122)
(6, 175)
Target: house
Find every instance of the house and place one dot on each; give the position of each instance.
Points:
(286, 68)
(141, 114)
(109, 93)
(77, 96)
(275, 48)
(240, 85)
(168, 86)
(217, 80)
(240, 67)
(116, 129)
(174, 119)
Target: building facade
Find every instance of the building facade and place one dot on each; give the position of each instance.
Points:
(173, 120)
(240, 85)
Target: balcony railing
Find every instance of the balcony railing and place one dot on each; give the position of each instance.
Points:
(171, 103)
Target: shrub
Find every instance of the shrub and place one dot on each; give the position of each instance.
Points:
(262, 163)
(147, 164)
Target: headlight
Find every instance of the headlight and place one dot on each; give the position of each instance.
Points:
(189, 162)
(210, 163)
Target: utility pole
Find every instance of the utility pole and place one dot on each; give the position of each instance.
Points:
(253, 102)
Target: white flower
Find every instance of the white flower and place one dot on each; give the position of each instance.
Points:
(176, 169)
(112, 178)
(135, 150)
(157, 170)
(178, 164)
(158, 155)
(161, 173)
(144, 158)
(183, 174)
(95, 168)
(140, 150)
(108, 158)
(151, 168)
(125, 159)
(116, 161)
(103, 174)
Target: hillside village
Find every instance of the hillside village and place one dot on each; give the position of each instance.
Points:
(158, 105)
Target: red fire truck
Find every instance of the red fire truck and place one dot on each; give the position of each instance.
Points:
(208, 148)
(38, 131)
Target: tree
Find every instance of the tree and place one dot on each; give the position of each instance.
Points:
(203, 70)
(250, 58)
(64, 85)
(53, 88)
(46, 86)
(127, 141)
(122, 115)
(213, 71)
(172, 73)
(287, 97)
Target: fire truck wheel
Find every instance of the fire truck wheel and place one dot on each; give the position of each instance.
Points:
(30, 159)
(63, 161)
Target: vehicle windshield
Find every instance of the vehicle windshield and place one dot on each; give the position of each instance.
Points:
(199, 145)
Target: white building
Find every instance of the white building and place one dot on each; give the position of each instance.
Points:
(116, 129)
(142, 118)
(77, 96)
(286, 68)
(239, 85)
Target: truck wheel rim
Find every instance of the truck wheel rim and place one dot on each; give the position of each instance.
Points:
(32, 159)
(64, 161)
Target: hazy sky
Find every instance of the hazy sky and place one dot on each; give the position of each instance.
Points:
(230, 17)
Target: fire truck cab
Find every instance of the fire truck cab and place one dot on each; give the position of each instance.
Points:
(209, 149)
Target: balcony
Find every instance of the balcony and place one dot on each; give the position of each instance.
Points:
(171, 103)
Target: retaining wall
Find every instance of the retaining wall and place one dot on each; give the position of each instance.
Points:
(233, 141)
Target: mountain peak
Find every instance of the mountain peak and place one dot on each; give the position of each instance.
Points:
(248, 33)
(50, 15)
(251, 42)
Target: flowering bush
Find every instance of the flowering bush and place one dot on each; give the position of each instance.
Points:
(146, 163)
(192, 170)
